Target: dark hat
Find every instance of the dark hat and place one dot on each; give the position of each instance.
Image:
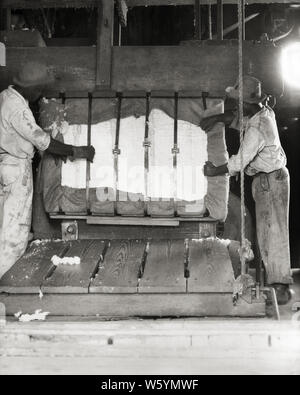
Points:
(33, 74)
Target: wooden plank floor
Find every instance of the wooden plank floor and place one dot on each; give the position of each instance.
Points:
(126, 278)
(76, 279)
(28, 274)
(164, 269)
(121, 267)
(215, 273)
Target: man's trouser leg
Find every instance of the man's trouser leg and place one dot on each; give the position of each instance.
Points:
(16, 189)
(271, 193)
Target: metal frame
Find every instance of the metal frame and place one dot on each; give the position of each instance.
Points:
(147, 144)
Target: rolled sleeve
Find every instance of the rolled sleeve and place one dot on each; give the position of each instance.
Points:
(24, 124)
(251, 147)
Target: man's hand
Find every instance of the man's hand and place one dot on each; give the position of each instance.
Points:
(208, 123)
(84, 152)
(210, 170)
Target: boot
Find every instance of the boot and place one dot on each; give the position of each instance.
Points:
(283, 293)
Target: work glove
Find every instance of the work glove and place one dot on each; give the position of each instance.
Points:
(85, 152)
(58, 158)
(208, 123)
(210, 170)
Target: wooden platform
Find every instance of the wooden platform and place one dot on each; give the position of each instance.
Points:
(127, 278)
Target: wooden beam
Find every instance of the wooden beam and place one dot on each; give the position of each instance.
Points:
(134, 305)
(135, 3)
(34, 4)
(153, 68)
(124, 221)
(210, 32)
(105, 44)
(5, 19)
(198, 27)
(244, 19)
(8, 18)
(220, 18)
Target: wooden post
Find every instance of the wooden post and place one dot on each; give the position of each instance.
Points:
(5, 18)
(8, 19)
(105, 44)
(198, 28)
(220, 19)
(244, 19)
(210, 34)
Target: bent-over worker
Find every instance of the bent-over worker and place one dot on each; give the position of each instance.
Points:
(263, 159)
(19, 136)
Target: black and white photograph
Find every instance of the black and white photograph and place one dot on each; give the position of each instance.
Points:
(149, 190)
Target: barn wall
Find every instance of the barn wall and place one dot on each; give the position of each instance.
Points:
(205, 67)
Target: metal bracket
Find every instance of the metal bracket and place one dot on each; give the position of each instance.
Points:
(116, 151)
(207, 230)
(296, 307)
(69, 230)
(175, 150)
(147, 144)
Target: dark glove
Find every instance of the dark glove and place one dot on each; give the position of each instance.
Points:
(210, 170)
(85, 152)
(58, 158)
(208, 123)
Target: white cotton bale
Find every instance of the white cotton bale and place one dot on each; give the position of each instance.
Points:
(131, 159)
(102, 169)
(73, 174)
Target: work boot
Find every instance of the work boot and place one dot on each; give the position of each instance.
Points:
(283, 293)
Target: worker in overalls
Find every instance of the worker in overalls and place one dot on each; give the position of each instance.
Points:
(19, 136)
(264, 160)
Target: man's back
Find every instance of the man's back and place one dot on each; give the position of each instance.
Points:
(19, 132)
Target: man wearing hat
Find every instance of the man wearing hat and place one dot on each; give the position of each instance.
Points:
(19, 136)
(264, 160)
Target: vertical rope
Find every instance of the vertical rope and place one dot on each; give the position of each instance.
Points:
(241, 5)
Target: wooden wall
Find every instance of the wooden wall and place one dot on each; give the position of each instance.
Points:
(208, 67)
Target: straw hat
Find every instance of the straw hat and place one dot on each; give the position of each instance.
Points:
(252, 91)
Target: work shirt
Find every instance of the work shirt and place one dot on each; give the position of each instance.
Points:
(19, 133)
(262, 150)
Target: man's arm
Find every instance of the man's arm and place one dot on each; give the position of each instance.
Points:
(252, 145)
(24, 123)
(63, 150)
(208, 123)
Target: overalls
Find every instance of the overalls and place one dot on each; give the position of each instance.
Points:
(19, 135)
(271, 193)
(16, 189)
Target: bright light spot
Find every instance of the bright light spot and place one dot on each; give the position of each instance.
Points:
(291, 65)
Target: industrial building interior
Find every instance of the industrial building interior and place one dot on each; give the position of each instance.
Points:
(185, 338)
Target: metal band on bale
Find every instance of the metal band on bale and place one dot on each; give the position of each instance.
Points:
(89, 143)
(147, 145)
(116, 150)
